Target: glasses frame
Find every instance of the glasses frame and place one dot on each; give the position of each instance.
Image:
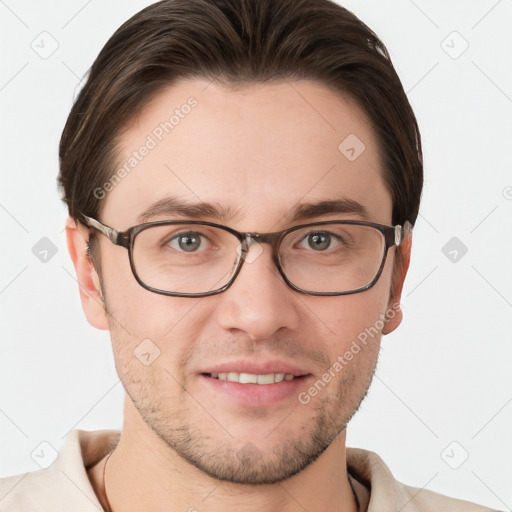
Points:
(393, 236)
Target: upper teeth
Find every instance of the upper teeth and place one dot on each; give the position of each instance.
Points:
(251, 378)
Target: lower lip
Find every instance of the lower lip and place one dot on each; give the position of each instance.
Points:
(256, 394)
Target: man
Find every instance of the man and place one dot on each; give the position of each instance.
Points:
(242, 179)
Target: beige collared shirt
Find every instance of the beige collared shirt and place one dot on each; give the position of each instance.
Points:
(65, 487)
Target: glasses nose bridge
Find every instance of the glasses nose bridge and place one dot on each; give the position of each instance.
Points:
(271, 239)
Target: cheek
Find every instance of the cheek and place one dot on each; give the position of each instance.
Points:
(345, 317)
(150, 332)
(138, 313)
(152, 340)
(347, 323)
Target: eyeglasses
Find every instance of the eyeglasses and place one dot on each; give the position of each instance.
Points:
(197, 259)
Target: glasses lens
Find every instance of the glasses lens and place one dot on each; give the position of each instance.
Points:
(332, 258)
(185, 258)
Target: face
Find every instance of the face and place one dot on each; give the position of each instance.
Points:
(254, 153)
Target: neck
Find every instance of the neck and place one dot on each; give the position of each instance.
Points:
(143, 473)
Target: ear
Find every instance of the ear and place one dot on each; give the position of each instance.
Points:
(399, 274)
(88, 280)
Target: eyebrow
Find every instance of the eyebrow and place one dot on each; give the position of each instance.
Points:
(172, 206)
(344, 205)
(176, 207)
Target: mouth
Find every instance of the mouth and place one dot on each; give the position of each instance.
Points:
(253, 389)
(252, 378)
(254, 383)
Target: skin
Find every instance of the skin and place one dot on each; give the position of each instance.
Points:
(259, 149)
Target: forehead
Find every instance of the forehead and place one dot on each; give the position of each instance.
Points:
(258, 150)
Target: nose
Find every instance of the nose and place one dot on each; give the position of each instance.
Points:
(259, 303)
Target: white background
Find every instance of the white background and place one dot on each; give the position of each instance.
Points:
(444, 376)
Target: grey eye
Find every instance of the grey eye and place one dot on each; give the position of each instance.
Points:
(187, 242)
(319, 241)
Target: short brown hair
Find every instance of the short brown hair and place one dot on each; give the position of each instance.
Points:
(237, 42)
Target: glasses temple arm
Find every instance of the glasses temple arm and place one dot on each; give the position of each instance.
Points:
(112, 234)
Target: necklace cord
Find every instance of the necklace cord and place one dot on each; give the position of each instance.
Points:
(104, 486)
